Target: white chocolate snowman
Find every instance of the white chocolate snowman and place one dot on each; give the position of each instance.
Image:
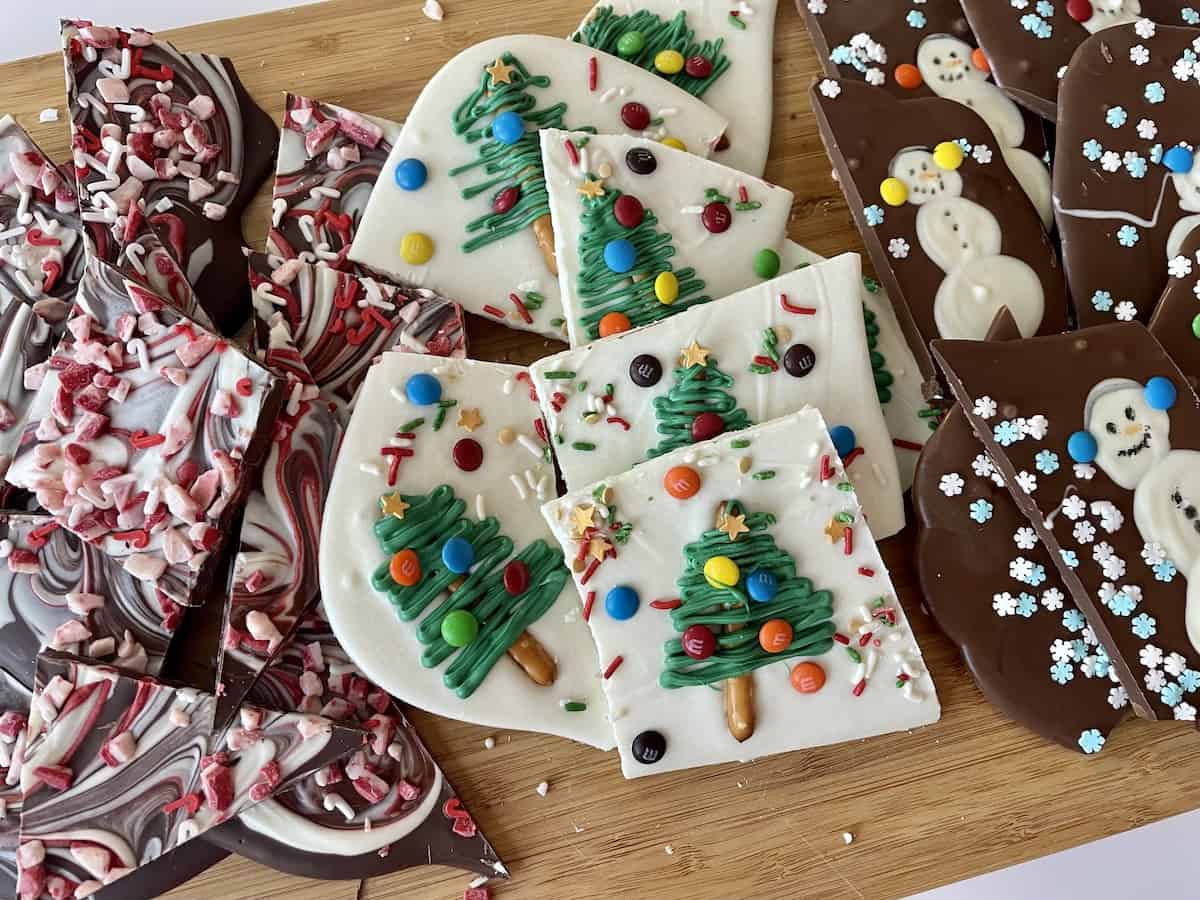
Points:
(1107, 13)
(946, 65)
(963, 239)
(1187, 186)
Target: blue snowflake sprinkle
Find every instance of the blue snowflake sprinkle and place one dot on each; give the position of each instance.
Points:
(1136, 166)
(1062, 672)
(874, 215)
(1156, 154)
(1102, 301)
(1078, 650)
(1190, 680)
(1091, 741)
(1073, 621)
(1155, 92)
(1122, 604)
(1037, 26)
(1116, 117)
(1172, 694)
(965, 144)
(1007, 433)
(841, 55)
(1190, 16)
(1127, 236)
(1026, 606)
(1144, 626)
(1101, 664)
(1037, 577)
(1165, 571)
(1046, 462)
(915, 19)
(981, 511)
(1045, 8)
(1070, 557)
(1092, 150)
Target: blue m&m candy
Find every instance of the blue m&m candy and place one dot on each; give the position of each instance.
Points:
(620, 255)
(762, 586)
(1160, 393)
(423, 389)
(411, 174)
(1178, 160)
(1082, 447)
(844, 440)
(508, 127)
(621, 602)
(458, 555)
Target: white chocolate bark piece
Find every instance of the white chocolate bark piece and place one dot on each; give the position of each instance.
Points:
(898, 377)
(495, 425)
(696, 224)
(821, 360)
(740, 59)
(792, 522)
(541, 82)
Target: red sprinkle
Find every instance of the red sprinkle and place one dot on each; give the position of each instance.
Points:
(613, 666)
(798, 310)
(35, 237)
(591, 570)
(141, 439)
(841, 639)
(852, 456)
(826, 468)
(244, 386)
(593, 73)
(743, 194)
(540, 427)
(190, 802)
(571, 151)
(907, 445)
(866, 572)
(617, 420)
(848, 541)
(865, 639)
(859, 688)
(521, 309)
(493, 311)
(587, 605)
(767, 361)
(666, 603)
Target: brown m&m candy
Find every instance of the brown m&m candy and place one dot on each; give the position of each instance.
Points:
(645, 370)
(799, 360)
(649, 747)
(640, 161)
(635, 116)
(628, 211)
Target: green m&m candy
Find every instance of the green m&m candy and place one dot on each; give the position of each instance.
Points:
(766, 263)
(630, 44)
(1196, 327)
(459, 628)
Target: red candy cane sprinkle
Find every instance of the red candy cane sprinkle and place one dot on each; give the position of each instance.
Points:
(907, 445)
(593, 73)
(591, 570)
(866, 572)
(865, 639)
(613, 666)
(142, 440)
(860, 687)
(587, 605)
(493, 311)
(841, 639)
(743, 194)
(852, 456)
(766, 361)
(848, 541)
(571, 151)
(617, 420)
(826, 468)
(521, 310)
(666, 603)
(797, 310)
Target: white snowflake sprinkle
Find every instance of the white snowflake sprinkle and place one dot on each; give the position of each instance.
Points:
(1110, 161)
(1020, 569)
(1025, 538)
(1153, 553)
(1027, 481)
(899, 248)
(1174, 664)
(986, 407)
(1052, 600)
(1037, 427)
(1150, 656)
(830, 88)
(1062, 651)
(951, 484)
(1147, 129)
(982, 154)
(1145, 29)
(817, 7)
(1111, 518)
(1004, 604)
(1074, 508)
(1180, 267)
(1155, 680)
(1085, 471)
(875, 76)
(1085, 532)
(1183, 69)
(1185, 712)
(1126, 311)
(982, 466)
(1113, 567)
(1139, 55)
(1117, 698)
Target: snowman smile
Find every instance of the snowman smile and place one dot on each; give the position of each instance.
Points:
(1143, 444)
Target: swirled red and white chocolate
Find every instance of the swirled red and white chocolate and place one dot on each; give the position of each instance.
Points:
(275, 575)
(389, 807)
(26, 340)
(120, 770)
(170, 140)
(142, 431)
(340, 322)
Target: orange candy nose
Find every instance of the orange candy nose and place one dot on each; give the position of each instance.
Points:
(980, 61)
(808, 677)
(405, 568)
(908, 76)
(614, 323)
(681, 482)
(775, 636)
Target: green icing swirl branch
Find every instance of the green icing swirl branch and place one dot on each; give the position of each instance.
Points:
(697, 389)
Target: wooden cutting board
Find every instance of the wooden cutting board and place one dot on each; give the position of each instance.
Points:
(966, 796)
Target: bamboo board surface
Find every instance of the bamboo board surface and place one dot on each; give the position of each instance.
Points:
(968, 795)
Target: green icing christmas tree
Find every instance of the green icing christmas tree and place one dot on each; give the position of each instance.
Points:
(646, 35)
(602, 291)
(700, 387)
(421, 528)
(883, 378)
(808, 611)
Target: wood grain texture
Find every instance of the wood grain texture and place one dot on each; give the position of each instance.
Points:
(968, 795)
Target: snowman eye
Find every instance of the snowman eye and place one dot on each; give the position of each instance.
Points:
(1129, 414)
(954, 54)
(937, 60)
(1110, 428)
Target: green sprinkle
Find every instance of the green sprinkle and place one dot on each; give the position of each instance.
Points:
(899, 682)
(412, 424)
(760, 370)
(534, 300)
(764, 475)
(441, 419)
(656, 122)
(845, 518)
(623, 532)
(740, 444)
(583, 385)
(558, 375)
(609, 390)
(446, 404)
(558, 322)
(928, 412)
(845, 486)
(598, 493)
(574, 706)
(582, 142)
(871, 285)
(583, 445)
(736, 21)
(560, 439)
(854, 654)
(748, 206)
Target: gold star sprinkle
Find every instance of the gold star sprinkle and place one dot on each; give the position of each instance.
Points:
(501, 72)
(592, 188)
(393, 505)
(581, 519)
(694, 355)
(599, 548)
(834, 530)
(734, 526)
(469, 418)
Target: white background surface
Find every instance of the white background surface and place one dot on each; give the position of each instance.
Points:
(1154, 861)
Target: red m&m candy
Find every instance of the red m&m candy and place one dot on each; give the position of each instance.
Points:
(635, 116)
(699, 642)
(628, 211)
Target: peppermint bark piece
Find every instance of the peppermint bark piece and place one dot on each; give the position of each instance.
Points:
(438, 577)
(341, 321)
(121, 770)
(1125, 183)
(758, 354)
(721, 56)
(744, 564)
(643, 232)
(461, 205)
(143, 432)
(1104, 469)
(170, 141)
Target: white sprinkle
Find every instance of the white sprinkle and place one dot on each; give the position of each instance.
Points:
(478, 880)
(608, 95)
(518, 485)
(525, 441)
(691, 210)
(847, 837)
(49, 114)
(322, 191)
(508, 386)
(164, 205)
(6, 548)
(530, 480)
(135, 112)
(370, 468)
(278, 208)
(543, 789)
(480, 511)
(12, 233)
(333, 801)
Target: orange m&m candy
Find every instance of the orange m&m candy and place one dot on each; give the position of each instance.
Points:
(681, 482)
(980, 61)
(908, 76)
(405, 568)
(808, 677)
(614, 323)
(775, 636)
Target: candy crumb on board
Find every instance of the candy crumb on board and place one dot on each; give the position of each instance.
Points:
(433, 10)
(847, 837)
(543, 788)
(489, 743)
(49, 114)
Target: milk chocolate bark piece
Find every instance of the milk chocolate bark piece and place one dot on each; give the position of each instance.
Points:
(1124, 184)
(952, 235)
(170, 141)
(143, 433)
(120, 770)
(1028, 45)
(1096, 434)
(930, 52)
(1176, 320)
(1012, 635)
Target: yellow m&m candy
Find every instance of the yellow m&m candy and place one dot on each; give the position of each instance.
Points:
(893, 191)
(666, 288)
(669, 62)
(674, 143)
(721, 572)
(416, 248)
(948, 155)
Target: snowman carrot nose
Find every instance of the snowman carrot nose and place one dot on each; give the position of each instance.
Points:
(1132, 430)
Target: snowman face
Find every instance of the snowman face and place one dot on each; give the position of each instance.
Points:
(1166, 508)
(924, 178)
(1187, 185)
(944, 62)
(1107, 13)
(1130, 436)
